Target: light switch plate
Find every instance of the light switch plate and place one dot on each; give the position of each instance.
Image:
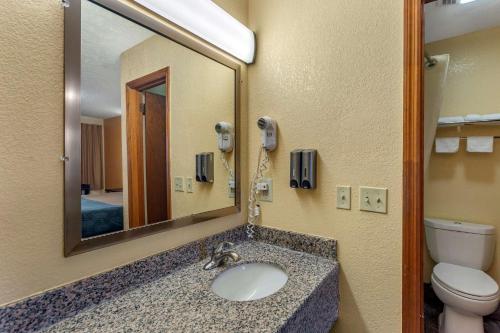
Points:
(373, 199)
(189, 185)
(179, 184)
(267, 195)
(344, 197)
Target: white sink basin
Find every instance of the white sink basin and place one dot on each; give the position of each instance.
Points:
(248, 282)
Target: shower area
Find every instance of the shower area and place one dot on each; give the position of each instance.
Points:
(435, 84)
(461, 164)
(435, 75)
(439, 71)
(436, 70)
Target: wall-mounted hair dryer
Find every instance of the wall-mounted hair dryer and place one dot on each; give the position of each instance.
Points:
(269, 141)
(225, 136)
(268, 135)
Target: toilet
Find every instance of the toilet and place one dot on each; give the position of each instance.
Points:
(463, 251)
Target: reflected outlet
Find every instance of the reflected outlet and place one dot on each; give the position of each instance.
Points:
(179, 184)
(231, 188)
(189, 185)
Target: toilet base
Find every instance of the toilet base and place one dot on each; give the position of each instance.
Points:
(453, 321)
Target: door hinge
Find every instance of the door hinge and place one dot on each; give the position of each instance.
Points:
(143, 104)
(64, 3)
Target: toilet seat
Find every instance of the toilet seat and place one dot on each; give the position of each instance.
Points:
(466, 282)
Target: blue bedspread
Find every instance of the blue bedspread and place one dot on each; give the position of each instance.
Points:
(100, 218)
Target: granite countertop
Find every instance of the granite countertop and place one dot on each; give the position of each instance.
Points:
(182, 301)
(170, 292)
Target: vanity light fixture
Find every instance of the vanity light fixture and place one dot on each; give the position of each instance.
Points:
(208, 21)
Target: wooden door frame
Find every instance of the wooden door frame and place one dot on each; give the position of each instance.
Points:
(413, 171)
(161, 76)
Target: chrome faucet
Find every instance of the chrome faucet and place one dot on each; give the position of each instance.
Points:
(220, 254)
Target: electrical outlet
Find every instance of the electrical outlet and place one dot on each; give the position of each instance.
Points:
(344, 197)
(373, 199)
(179, 184)
(189, 185)
(266, 195)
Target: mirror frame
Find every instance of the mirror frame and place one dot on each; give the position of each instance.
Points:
(73, 242)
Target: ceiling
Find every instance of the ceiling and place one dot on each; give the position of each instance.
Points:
(105, 36)
(443, 22)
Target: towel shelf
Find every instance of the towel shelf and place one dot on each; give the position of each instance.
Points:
(469, 123)
(465, 138)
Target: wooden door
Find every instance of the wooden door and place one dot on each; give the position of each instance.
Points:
(413, 171)
(135, 160)
(156, 158)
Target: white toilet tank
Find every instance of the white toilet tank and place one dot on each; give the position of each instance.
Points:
(460, 243)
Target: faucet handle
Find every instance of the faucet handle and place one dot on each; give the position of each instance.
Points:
(222, 246)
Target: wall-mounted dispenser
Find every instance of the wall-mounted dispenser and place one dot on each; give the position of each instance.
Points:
(205, 167)
(198, 167)
(295, 170)
(308, 167)
(303, 168)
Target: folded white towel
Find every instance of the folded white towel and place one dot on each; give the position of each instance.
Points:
(447, 145)
(473, 117)
(480, 144)
(451, 120)
(490, 117)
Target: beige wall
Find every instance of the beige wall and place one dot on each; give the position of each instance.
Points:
(31, 178)
(201, 94)
(466, 186)
(113, 153)
(474, 72)
(91, 120)
(330, 73)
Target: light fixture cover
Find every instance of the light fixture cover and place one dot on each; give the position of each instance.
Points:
(210, 22)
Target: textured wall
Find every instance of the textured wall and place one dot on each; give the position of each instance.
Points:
(464, 186)
(330, 73)
(31, 177)
(473, 74)
(113, 153)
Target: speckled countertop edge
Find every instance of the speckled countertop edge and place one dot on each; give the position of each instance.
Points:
(40, 311)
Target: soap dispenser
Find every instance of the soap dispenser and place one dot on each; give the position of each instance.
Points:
(308, 167)
(295, 170)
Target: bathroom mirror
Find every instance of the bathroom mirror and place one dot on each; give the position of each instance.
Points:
(142, 101)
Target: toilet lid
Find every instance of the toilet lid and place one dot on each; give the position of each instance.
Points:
(466, 280)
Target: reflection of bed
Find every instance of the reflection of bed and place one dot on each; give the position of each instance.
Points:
(101, 214)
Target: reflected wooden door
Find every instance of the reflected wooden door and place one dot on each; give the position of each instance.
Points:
(135, 161)
(156, 148)
(149, 198)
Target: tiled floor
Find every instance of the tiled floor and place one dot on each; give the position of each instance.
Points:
(433, 307)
